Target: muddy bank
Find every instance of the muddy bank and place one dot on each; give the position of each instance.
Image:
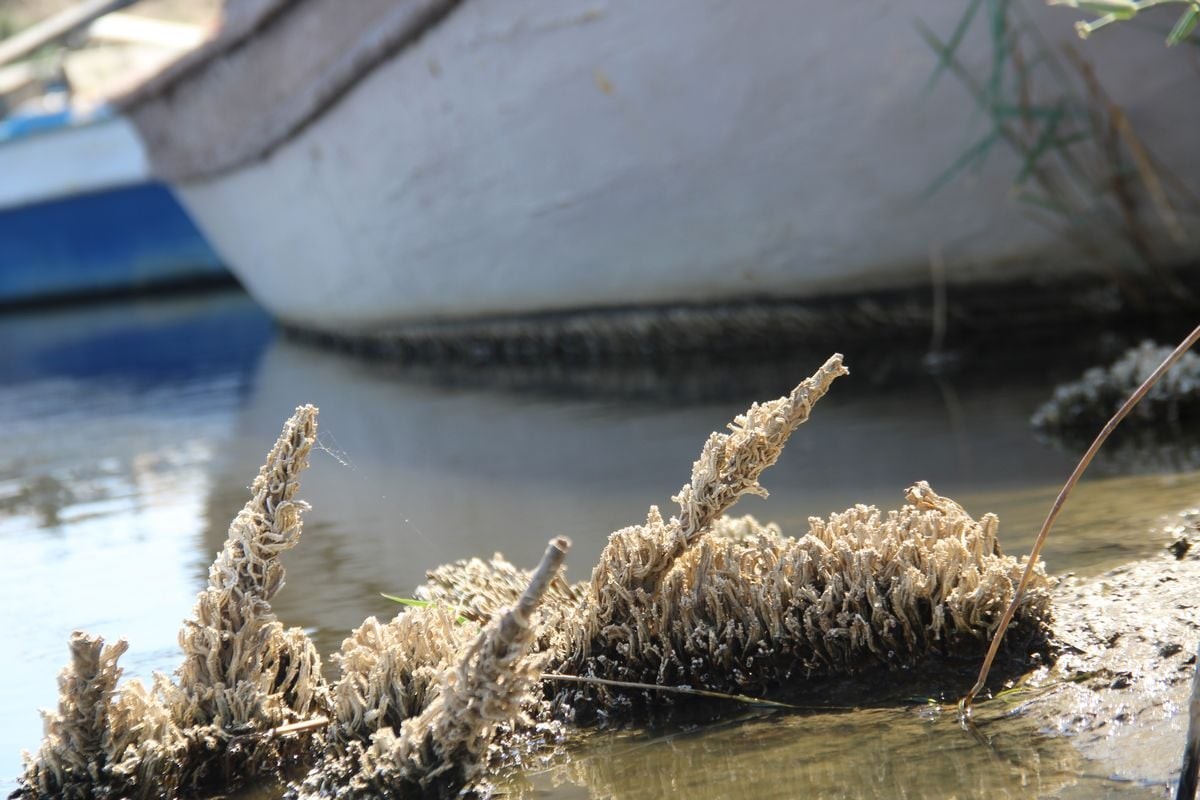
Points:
(1127, 651)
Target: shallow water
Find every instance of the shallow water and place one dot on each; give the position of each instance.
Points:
(132, 432)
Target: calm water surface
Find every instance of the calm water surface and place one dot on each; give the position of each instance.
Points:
(132, 432)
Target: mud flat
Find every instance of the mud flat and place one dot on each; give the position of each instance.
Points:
(1119, 687)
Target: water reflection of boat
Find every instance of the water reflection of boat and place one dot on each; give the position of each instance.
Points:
(431, 162)
(418, 474)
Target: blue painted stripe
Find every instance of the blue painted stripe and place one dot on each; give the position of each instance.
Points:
(126, 239)
(20, 126)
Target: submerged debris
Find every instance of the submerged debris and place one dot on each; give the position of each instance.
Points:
(425, 702)
(1086, 404)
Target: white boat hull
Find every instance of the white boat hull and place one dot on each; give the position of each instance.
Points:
(525, 157)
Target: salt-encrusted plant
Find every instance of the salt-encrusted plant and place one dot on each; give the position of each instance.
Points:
(732, 606)
(425, 701)
(242, 676)
(74, 755)
(636, 558)
(430, 734)
(243, 673)
(747, 610)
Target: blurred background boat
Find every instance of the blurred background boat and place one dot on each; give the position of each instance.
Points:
(377, 167)
(80, 212)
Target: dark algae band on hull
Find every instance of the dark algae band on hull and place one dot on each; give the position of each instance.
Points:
(426, 703)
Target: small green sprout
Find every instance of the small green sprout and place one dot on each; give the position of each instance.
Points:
(413, 602)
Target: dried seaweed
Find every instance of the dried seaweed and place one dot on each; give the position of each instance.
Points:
(427, 741)
(730, 605)
(425, 702)
(759, 613)
(242, 673)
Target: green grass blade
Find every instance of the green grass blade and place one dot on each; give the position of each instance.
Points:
(1184, 26)
(1045, 143)
(946, 51)
(973, 154)
(412, 602)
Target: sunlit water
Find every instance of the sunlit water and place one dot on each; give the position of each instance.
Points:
(132, 432)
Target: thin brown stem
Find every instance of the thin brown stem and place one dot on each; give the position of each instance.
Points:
(688, 690)
(964, 705)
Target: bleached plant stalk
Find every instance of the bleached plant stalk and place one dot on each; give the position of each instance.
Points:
(242, 674)
(73, 756)
(636, 558)
(731, 463)
(232, 631)
(242, 671)
(444, 749)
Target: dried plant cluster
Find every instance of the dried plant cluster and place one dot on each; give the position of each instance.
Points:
(417, 706)
(731, 605)
(748, 610)
(242, 673)
(1086, 404)
(421, 699)
(426, 701)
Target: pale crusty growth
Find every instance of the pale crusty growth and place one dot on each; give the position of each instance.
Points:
(477, 589)
(482, 687)
(424, 701)
(636, 558)
(144, 735)
(242, 674)
(730, 463)
(389, 672)
(1083, 406)
(756, 613)
(447, 743)
(392, 671)
(74, 755)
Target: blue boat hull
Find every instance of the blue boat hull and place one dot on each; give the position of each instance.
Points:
(120, 240)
